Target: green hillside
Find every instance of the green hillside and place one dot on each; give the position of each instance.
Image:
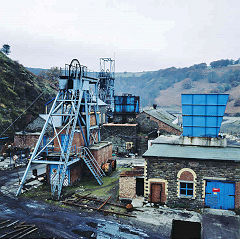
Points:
(164, 87)
(19, 87)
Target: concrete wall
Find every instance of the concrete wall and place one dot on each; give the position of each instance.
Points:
(119, 118)
(127, 187)
(170, 171)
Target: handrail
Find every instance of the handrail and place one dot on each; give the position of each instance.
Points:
(85, 151)
(95, 162)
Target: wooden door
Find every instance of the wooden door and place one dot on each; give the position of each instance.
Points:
(156, 192)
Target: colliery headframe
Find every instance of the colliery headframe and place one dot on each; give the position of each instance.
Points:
(106, 81)
(75, 108)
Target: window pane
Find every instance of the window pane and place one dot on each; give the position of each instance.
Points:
(190, 185)
(183, 191)
(183, 185)
(190, 192)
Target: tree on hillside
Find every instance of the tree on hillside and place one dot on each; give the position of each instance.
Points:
(51, 74)
(187, 84)
(213, 77)
(201, 66)
(6, 49)
(221, 63)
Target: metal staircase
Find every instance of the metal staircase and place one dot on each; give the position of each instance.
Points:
(92, 164)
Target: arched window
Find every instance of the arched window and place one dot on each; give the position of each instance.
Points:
(186, 183)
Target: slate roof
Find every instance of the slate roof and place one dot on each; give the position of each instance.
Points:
(193, 152)
(164, 116)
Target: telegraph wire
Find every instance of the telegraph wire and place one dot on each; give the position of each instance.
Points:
(21, 114)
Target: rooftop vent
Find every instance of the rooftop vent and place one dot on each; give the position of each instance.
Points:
(203, 114)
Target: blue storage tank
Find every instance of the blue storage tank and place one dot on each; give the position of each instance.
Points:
(203, 114)
(126, 104)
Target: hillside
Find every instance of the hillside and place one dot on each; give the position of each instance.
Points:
(19, 87)
(164, 87)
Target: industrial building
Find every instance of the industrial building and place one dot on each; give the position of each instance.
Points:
(131, 183)
(197, 169)
(164, 120)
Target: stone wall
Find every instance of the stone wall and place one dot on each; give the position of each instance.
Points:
(119, 135)
(25, 140)
(127, 187)
(159, 169)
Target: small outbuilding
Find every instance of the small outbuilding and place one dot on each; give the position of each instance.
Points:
(131, 183)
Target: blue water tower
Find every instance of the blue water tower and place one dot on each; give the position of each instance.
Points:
(203, 114)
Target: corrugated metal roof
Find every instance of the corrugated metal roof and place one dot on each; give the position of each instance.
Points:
(193, 152)
(135, 172)
(164, 116)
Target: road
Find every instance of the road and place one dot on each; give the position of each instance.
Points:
(58, 222)
(151, 222)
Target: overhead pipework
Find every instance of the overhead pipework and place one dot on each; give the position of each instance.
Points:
(75, 104)
(106, 82)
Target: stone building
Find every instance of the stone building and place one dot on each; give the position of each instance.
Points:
(164, 121)
(192, 172)
(122, 136)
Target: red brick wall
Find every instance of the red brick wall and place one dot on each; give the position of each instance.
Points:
(102, 155)
(75, 172)
(25, 141)
(166, 127)
(77, 140)
(186, 176)
(92, 120)
(237, 195)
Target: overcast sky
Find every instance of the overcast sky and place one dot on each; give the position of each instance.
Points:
(142, 35)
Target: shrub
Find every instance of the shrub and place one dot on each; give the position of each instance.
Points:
(187, 84)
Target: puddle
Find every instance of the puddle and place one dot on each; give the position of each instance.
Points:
(123, 229)
(5, 210)
(35, 206)
(108, 229)
(92, 224)
(186, 229)
(85, 234)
